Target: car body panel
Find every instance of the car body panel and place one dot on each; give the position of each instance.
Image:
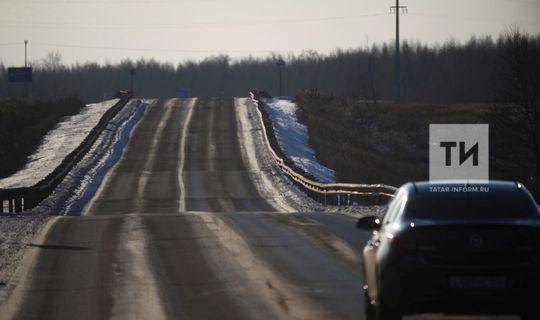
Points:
(447, 264)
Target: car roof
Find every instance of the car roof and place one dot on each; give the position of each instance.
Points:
(462, 198)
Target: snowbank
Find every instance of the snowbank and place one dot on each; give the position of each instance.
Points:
(293, 138)
(57, 144)
(270, 181)
(82, 182)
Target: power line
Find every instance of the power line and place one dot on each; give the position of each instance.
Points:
(59, 45)
(473, 19)
(61, 25)
(140, 48)
(524, 1)
(196, 25)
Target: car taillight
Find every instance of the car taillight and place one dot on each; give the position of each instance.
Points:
(402, 247)
(404, 243)
(398, 242)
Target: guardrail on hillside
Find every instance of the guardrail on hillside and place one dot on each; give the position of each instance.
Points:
(21, 199)
(326, 193)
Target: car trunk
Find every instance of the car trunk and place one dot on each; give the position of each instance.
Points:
(473, 244)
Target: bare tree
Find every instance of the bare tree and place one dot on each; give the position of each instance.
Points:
(519, 91)
(52, 61)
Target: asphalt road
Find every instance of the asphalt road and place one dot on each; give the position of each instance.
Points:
(178, 230)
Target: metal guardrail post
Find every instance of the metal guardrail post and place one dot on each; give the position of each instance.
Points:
(18, 205)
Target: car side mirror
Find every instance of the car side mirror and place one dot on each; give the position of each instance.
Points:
(368, 223)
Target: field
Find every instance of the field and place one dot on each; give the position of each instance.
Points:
(23, 124)
(388, 142)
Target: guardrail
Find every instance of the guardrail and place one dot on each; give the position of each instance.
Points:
(326, 193)
(21, 199)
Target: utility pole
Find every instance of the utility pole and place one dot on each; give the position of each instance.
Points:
(396, 8)
(27, 87)
(25, 55)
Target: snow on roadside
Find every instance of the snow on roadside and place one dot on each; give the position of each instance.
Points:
(57, 144)
(18, 230)
(292, 137)
(270, 181)
(262, 168)
(81, 183)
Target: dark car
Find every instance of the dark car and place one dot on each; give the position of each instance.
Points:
(455, 248)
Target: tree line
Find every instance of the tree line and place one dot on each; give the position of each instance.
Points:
(387, 143)
(448, 73)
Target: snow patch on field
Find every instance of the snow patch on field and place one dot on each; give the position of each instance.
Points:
(293, 138)
(57, 144)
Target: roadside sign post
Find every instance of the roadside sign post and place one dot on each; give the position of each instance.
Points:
(280, 63)
(20, 74)
(132, 74)
(25, 53)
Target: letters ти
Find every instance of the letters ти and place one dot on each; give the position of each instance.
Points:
(463, 155)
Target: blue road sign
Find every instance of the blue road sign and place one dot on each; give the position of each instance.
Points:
(182, 92)
(20, 74)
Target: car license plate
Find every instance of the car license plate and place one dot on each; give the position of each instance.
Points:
(477, 282)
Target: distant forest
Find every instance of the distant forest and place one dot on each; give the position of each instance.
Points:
(448, 73)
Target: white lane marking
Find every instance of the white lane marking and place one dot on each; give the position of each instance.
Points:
(152, 154)
(136, 294)
(22, 278)
(182, 157)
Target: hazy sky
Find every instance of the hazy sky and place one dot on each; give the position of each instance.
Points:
(176, 30)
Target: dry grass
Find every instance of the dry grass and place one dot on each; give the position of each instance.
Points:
(388, 143)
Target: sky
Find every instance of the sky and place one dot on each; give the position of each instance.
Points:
(108, 31)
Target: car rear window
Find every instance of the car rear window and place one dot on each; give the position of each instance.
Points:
(474, 205)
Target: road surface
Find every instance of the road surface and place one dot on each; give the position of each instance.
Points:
(179, 231)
